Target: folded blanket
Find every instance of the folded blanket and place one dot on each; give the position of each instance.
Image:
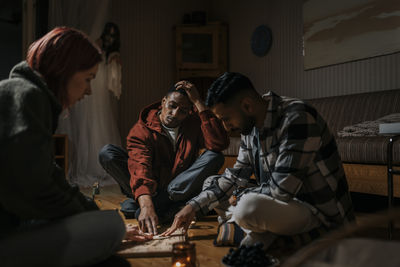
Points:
(368, 128)
(229, 234)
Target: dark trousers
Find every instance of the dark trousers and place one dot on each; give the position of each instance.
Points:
(182, 188)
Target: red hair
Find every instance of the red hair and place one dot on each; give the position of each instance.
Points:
(60, 54)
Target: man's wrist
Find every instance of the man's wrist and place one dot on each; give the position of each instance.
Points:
(194, 206)
(200, 105)
(145, 201)
(190, 207)
(147, 206)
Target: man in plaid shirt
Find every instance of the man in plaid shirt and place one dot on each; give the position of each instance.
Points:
(300, 184)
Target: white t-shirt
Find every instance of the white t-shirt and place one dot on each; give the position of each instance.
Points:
(172, 134)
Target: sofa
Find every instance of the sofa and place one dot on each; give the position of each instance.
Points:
(364, 157)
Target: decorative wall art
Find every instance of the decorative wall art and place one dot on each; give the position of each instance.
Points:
(341, 30)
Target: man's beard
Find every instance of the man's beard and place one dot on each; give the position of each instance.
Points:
(248, 124)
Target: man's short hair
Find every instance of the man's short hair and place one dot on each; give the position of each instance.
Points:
(226, 87)
(173, 89)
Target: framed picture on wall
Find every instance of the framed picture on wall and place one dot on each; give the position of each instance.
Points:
(341, 30)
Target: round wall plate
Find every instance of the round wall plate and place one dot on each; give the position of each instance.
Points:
(261, 40)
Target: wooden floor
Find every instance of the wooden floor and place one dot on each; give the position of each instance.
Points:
(203, 234)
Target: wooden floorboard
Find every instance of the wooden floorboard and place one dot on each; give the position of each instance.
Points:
(203, 233)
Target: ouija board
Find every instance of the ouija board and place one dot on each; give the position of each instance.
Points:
(158, 247)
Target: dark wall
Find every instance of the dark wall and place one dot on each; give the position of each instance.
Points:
(282, 69)
(10, 35)
(42, 17)
(11, 31)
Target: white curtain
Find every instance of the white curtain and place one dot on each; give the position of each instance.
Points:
(91, 123)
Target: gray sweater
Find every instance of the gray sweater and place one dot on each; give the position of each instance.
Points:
(32, 186)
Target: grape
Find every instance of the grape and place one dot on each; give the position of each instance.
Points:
(248, 256)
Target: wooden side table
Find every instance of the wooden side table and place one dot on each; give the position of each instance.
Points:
(61, 151)
(392, 130)
(390, 173)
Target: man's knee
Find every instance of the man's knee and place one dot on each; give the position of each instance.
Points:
(105, 154)
(246, 210)
(171, 191)
(111, 154)
(216, 158)
(260, 213)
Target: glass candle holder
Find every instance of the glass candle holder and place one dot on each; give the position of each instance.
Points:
(183, 254)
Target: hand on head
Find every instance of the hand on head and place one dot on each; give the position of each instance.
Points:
(190, 89)
(192, 92)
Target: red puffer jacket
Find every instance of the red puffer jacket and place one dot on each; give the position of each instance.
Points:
(152, 160)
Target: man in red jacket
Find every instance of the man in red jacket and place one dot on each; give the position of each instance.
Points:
(162, 169)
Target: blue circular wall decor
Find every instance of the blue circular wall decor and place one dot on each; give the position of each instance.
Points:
(261, 40)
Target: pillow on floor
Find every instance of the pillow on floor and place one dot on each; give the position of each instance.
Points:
(229, 234)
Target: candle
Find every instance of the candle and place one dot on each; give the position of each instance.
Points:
(183, 254)
(178, 264)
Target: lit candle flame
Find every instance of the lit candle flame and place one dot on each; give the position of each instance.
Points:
(178, 264)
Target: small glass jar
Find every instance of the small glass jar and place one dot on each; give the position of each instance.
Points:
(183, 254)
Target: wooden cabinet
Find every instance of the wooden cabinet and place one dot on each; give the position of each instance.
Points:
(61, 151)
(201, 53)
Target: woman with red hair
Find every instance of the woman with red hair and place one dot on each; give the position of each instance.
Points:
(44, 221)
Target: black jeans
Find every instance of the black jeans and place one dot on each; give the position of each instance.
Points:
(182, 188)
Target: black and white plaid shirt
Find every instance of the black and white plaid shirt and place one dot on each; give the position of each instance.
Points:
(299, 160)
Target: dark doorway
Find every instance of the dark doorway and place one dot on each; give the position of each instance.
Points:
(11, 35)
(11, 30)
